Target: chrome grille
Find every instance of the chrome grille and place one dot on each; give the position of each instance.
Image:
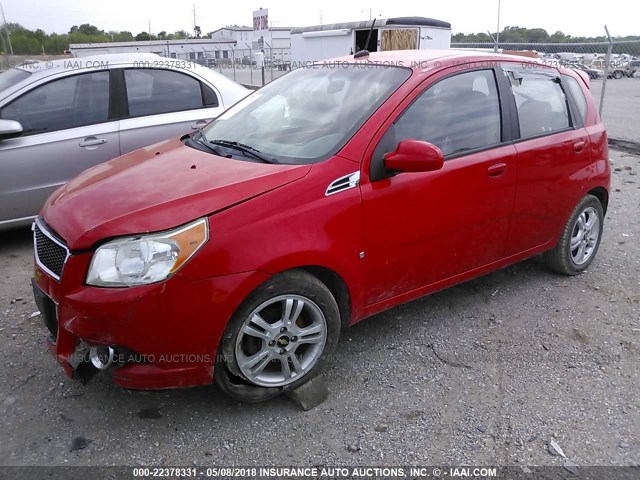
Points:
(51, 253)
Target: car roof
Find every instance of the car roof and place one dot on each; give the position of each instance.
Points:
(41, 67)
(426, 59)
(230, 90)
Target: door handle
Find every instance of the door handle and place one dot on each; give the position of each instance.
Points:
(92, 142)
(497, 169)
(578, 146)
(199, 124)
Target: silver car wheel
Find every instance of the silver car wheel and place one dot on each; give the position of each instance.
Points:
(281, 341)
(584, 237)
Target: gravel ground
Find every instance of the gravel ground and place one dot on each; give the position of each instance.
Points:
(621, 112)
(484, 373)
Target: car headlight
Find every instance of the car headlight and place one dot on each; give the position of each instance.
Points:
(144, 259)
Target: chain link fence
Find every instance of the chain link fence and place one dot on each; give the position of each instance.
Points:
(613, 67)
(248, 66)
(614, 70)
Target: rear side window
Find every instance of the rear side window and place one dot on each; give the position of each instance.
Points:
(459, 113)
(541, 103)
(571, 84)
(69, 102)
(151, 92)
(12, 77)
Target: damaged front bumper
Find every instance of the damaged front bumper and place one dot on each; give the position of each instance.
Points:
(157, 336)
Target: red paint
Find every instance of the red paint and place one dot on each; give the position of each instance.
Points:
(420, 232)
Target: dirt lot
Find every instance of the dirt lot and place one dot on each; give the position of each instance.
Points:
(485, 373)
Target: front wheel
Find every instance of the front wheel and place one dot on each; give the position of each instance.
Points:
(279, 337)
(580, 238)
(618, 74)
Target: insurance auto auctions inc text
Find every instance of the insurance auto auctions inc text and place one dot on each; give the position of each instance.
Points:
(376, 472)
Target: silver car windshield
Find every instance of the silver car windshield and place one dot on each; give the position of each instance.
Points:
(12, 77)
(308, 114)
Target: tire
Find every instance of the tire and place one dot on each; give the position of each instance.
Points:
(580, 238)
(279, 338)
(618, 74)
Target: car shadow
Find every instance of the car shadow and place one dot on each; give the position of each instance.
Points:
(16, 240)
(376, 333)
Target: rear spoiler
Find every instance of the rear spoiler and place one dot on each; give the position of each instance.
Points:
(583, 76)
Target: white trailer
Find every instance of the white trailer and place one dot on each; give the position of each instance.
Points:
(320, 42)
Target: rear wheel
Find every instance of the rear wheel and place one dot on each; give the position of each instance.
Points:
(618, 74)
(580, 238)
(279, 338)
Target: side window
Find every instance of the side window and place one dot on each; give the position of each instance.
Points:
(541, 104)
(577, 94)
(457, 114)
(151, 92)
(69, 102)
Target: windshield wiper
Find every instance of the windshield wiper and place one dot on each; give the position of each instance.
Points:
(246, 149)
(198, 139)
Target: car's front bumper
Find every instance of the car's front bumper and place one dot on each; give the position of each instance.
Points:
(172, 328)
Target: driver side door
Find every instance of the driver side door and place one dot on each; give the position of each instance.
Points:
(425, 231)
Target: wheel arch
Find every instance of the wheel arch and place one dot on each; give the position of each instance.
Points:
(602, 195)
(338, 288)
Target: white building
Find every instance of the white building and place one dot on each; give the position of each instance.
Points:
(191, 49)
(321, 42)
(276, 42)
(242, 35)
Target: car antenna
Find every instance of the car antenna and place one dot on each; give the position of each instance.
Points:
(364, 52)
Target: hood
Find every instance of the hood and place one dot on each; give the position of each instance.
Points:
(156, 188)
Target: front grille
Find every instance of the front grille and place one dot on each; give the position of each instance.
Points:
(51, 253)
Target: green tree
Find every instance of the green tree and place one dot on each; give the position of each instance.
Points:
(181, 34)
(142, 36)
(56, 44)
(123, 36)
(88, 29)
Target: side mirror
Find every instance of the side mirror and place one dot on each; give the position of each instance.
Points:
(9, 129)
(414, 156)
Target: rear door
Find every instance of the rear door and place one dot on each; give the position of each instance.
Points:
(161, 104)
(67, 128)
(553, 149)
(425, 228)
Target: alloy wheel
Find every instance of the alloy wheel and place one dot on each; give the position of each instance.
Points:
(585, 235)
(281, 341)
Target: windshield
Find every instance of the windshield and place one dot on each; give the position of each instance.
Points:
(308, 114)
(12, 77)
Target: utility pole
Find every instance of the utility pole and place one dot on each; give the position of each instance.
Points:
(4, 23)
(495, 49)
(196, 29)
(149, 31)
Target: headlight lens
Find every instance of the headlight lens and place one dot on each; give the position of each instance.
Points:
(145, 259)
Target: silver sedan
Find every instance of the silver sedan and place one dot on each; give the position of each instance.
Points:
(59, 118)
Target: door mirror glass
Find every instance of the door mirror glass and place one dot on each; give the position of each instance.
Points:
(414, 156)
(10, 129)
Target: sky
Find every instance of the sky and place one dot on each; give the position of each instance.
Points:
(574, 17)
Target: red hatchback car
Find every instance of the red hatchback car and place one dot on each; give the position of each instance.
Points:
(333, 193)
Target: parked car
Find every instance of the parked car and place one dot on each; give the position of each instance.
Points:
(60, 118)
(247, 60)
(593, 73)
(331, 194)
(621, 68)
(282, 65)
